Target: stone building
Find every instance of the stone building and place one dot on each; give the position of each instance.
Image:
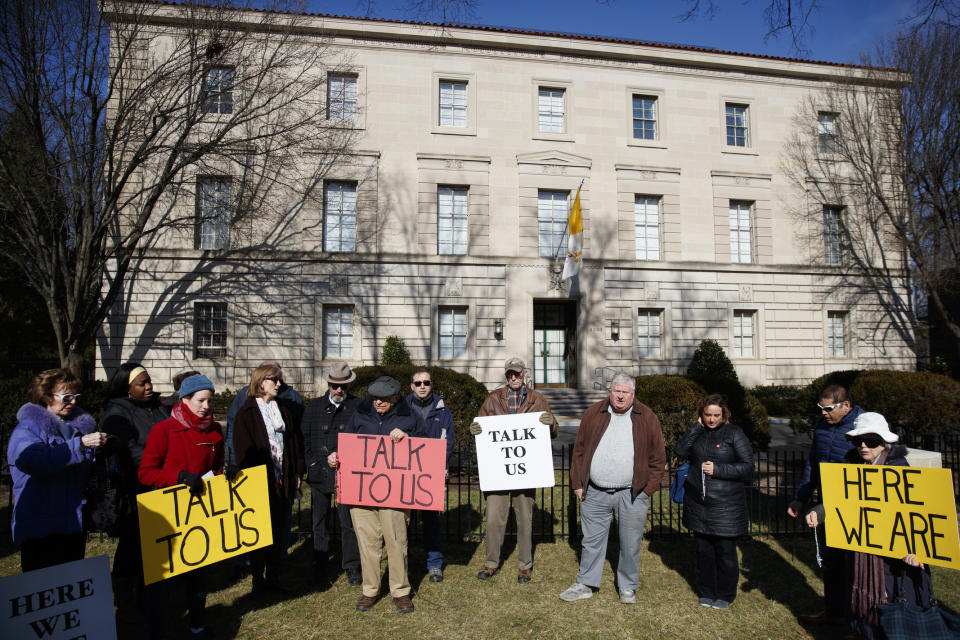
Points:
(442, 225)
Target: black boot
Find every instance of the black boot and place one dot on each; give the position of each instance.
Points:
(320, 577)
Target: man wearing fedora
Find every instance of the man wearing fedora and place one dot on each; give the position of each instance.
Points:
(323, 421)
(515, 397)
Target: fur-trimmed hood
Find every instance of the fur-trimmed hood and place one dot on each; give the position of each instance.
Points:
(38, 416)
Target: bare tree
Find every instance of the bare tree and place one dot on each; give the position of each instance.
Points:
(113, 112)
(791, 17)
(876, 161)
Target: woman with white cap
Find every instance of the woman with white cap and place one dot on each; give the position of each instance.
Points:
(874, 579)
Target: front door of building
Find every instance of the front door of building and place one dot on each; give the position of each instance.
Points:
(554, 343)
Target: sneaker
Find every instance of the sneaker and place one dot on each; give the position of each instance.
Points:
(577, 591)
(523, 576)
(486, 573)
(365, 603)
(354, 578)
(721, 604)
(628, 596)
(706, 602)
(436, 575)
(404, 604)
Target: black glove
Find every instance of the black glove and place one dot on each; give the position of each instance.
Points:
(231, 471)
(192, 480)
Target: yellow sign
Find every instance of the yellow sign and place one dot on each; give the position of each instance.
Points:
(891, 511)
(180, 532)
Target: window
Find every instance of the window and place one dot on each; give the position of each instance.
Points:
(342, 97)
(550, 110)
(340, 216)
(743, 332)
(740, 231)
(645, 117)
(453, 332)
(836, 334)
(551, 221)
(827, 131)
(210, 330)
(452, 220)
(213, 211)
(831, 236)
(649, 333)
(218, 89)
(453, 104)
(337, 331)
(737, 125)
(646, 224)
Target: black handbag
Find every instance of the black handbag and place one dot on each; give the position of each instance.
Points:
(901, 620)
(106, 502)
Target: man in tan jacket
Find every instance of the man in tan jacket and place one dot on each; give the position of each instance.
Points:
(515, 397)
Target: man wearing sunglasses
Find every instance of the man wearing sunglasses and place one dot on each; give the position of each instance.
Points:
(837, 414)
(439, 424)
(323, 421)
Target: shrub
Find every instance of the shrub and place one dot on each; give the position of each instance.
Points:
(709, 363)
(674, 400)
(916, 401)
(460, 392)
(394, 352)
(779, 399)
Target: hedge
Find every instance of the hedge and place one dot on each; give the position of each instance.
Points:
(674, 400)
(779, 399)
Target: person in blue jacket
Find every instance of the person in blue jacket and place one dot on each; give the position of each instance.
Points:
(837, 414)
(438, 421)
(50, 454)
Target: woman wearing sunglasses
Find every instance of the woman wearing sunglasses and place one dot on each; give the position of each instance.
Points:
(873, 579)
(50, 454)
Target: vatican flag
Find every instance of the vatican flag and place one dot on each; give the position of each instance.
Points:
(571, 265)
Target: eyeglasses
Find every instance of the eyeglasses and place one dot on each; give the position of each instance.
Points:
(871, 442)
(67, 398)
(275, 379)
(422, 383)
(514, 374)
(829, 407)
(336, 385)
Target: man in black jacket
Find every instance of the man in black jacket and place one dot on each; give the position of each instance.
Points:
(323, 420)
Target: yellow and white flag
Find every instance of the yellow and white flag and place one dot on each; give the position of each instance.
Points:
(571, 265)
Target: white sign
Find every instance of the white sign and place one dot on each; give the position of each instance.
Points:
(70, 601)
(513, 452)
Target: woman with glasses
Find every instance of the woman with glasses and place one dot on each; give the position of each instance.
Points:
(265, 433)
(50, 454)
(872, 579)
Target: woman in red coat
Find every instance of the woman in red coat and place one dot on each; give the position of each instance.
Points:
(181, 450)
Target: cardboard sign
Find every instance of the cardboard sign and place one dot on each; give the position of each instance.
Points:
(376, 471)
(513, 452)
(64, 602)
(180, 532)
(891, 511)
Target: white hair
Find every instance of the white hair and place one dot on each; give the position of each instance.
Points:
(623, 378)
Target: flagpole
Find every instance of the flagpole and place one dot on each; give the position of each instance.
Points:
(566, 230)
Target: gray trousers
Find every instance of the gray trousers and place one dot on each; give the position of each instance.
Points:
(596, 511)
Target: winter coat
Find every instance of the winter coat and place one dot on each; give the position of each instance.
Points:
(287, 394)
(49, 473)
(172, 448)
(439, 422)
(367, 421)
(251, 446)
(129, 423)
(829, 445)
(649, 455)
(323, 421)
(723, 511)
(496, 404)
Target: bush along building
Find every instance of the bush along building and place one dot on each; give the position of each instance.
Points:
(431, 201)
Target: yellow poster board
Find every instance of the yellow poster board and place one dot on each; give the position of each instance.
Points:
(891, 511)
(180, 532)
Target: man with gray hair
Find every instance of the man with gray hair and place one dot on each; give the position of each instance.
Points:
(618, 461)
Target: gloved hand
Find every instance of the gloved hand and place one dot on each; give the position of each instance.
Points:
(192, 480)
(546, 418)
(231, 471)
(475, 428)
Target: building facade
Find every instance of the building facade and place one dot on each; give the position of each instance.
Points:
(444, 223)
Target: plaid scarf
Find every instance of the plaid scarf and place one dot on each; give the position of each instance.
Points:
(516, 399)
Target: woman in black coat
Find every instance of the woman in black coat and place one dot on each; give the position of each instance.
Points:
(714, 503)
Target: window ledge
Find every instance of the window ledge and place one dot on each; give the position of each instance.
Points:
(740, 151)
(554, 137)
(454, 131)
(649, 144)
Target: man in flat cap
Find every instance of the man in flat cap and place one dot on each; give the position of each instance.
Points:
(383, 413)
(515, 397)
(323, 421)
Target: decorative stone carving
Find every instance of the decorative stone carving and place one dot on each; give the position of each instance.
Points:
(454, 287)
(338, 285)
(746, 293)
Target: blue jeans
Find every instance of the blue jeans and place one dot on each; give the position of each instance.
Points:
(596, 511)
(431, 539)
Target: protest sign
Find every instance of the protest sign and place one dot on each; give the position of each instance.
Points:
(376, 471)
(513, 452)
(891, 511)
(70, 601)
(180, 532)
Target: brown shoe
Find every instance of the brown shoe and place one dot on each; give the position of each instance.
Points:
(404, 604)
(523, 577)
(821, 617)
(366, 603)
(486, 573)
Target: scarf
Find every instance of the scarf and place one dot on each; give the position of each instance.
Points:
(869, 587)
(182, 414)
(516, 399)
(273, 421)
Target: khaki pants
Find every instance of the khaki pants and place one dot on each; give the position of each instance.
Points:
(498, 509)
(376, 528)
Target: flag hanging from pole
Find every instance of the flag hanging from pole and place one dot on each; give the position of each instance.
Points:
(571, 265)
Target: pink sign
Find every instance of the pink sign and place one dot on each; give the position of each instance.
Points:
(375, 471)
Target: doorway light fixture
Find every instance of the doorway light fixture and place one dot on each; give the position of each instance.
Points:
(498, 328)
(615, 330)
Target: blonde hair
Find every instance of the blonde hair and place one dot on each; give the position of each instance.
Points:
(40, 389)
(261, 373)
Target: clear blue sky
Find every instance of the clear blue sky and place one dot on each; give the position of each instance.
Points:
(843, 28)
